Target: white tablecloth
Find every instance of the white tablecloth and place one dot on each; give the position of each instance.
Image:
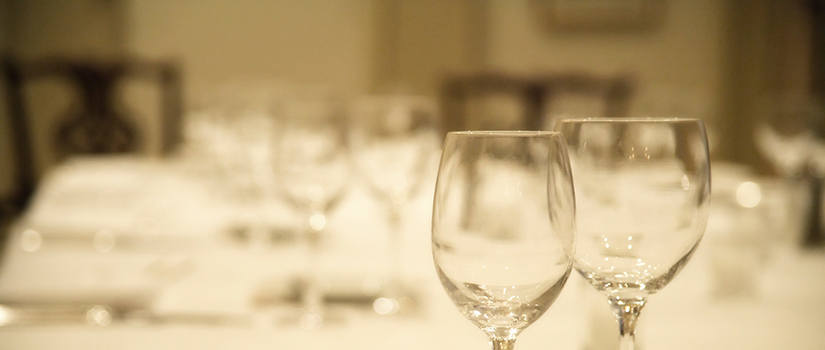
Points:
(210, 274)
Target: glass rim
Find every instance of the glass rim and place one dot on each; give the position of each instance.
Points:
(629, 120)
(504, 133)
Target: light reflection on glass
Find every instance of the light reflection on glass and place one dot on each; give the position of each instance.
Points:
(5, 315)
(748, 194)
(30, 241)
(99, 315)
(385, 306)
(317, 222)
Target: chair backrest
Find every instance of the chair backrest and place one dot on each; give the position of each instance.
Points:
(535, 94)
(94, 124)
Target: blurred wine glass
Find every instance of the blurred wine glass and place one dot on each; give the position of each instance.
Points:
(228, 138)
(312, 167)
(503, 225)
(796, 149)
(791, 137)
(393, 139)
(642, 199)
(788, 153)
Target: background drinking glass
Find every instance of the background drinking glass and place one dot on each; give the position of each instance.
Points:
(642, 196)
(312, 166)
(228, 141)
(503, 222)
(393, 139)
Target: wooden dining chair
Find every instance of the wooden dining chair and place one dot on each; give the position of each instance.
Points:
(95, 123)
(534, 95)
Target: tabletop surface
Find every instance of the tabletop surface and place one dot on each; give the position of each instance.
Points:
(211, 283)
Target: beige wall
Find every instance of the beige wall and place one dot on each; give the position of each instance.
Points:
(78, 27)
(677, 64)
(217, 41)
(421, 40)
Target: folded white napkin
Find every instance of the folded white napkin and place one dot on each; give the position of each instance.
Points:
(124, 195)
(62, 277)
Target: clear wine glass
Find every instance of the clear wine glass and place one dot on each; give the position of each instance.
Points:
(503, 225)
(642, 196)
(228, 136)
(312, 167)
(393, 139)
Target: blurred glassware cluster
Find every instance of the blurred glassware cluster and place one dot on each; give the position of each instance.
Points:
(301, 208)
(263, 170)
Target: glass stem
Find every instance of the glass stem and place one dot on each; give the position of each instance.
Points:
(312, 298)
(627, 312)
(503, 344)
(395, 246)
(627, 341)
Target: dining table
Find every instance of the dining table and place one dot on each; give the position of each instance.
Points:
(129, 252)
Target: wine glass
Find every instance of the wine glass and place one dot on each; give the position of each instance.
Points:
(503, 222)
(642, 195)
(228, 137)
(393, 139)
(312, 166)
